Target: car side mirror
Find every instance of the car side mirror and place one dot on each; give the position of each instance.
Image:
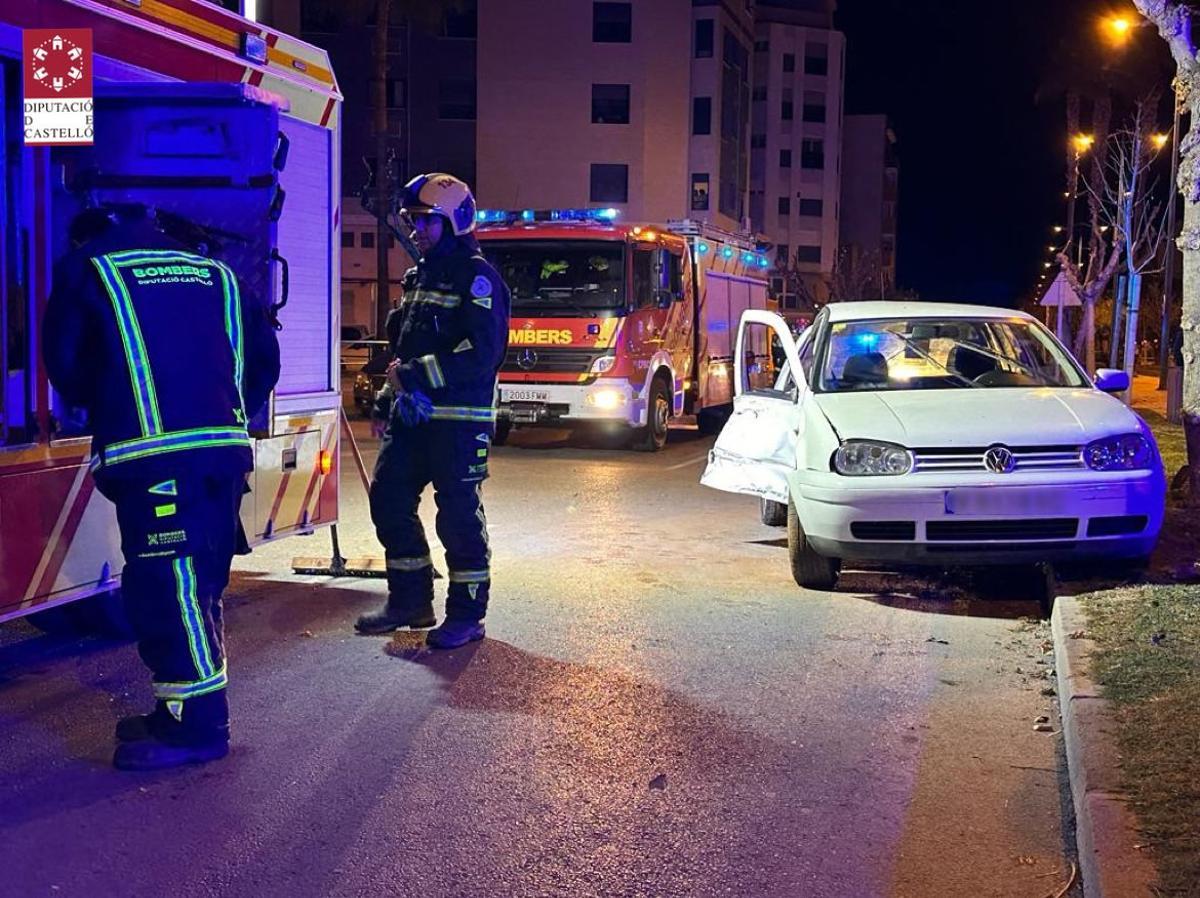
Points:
(1110, 380)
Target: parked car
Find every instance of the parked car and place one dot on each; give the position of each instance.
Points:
(356, 346)
(370, 380)
(942, 435)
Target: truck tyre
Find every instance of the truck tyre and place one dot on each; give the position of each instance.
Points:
(772, 513)
(503, 429)
(810, 570)
(653, 437)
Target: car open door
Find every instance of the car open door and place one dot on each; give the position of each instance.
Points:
(756, 448)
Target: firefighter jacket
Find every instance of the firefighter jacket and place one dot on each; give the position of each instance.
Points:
(450, 332)
(161, 348)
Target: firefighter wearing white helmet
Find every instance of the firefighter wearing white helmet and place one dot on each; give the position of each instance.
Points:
(449, 337)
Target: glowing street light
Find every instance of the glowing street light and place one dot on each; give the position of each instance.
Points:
(1160, 140)
(1058, 229)
(1082, 143)
(1118, 30)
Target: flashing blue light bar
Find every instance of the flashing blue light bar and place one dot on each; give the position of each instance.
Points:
(727, 252)
(762, 262)
(748, 258)
(489, 216)
(505, 216)
(583, 214)
(702, 248)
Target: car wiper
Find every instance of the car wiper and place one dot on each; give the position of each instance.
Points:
(554, 294)
(923, 354)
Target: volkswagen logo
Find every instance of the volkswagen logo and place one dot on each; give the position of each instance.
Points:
(526, 359)
(999, 460)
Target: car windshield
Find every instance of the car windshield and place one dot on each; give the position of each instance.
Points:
(938, 354)
(560, 278)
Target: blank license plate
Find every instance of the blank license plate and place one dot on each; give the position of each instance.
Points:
(1002, 501)
(524, 396)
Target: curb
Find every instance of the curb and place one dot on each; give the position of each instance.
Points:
(1105, 829)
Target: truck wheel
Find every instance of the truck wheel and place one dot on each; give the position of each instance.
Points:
(810, 570)
(503, 429)
(772, 513)
(653, 437)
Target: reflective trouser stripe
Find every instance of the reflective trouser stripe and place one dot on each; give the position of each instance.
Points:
(195, 689)
(437, 298)
(409, 564)
(136, 357)
(464, 413)
(193, 623)
(470, 576)
(201, 438)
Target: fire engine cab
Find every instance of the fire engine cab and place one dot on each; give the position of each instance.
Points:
(228, 132)
(619, 324)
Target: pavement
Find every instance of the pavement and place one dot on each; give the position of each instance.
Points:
(658, 711)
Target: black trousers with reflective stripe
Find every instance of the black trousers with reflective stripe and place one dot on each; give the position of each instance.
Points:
(179, 537)
(453, 456)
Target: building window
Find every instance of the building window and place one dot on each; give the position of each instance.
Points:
(759, 95)
(816, 59)
(395, 93)
(762, 46)
(461, 22)
(612, 23)
(814, 106)
(368, 240)
(785, 205)
(758, 141)
(785, 158)
(704, 39)
(812, 208)
(789, 62)
(812, 154)
(456, 99)
(702, 115)
(809, 254)
(734, 127)
(610, 183)
(610, 104)
(700, 192)
(347, 239)
(785, 109)
(781, 259)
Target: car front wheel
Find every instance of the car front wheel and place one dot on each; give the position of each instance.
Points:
(772, 513)
(810, 570)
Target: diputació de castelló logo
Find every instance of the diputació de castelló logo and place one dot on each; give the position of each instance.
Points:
(58, 86)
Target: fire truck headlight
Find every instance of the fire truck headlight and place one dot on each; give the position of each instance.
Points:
(606, 399)
(603, 364)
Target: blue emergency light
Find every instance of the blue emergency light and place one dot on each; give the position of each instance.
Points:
(727, 252)
(702, 248)
(507, 216)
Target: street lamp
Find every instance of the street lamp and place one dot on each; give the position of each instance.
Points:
(1118, 29)
(1082, 143)
(1158, 141)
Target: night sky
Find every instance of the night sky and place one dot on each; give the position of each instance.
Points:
(971, 89)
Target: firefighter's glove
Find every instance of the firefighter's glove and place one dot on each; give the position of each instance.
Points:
(414, 408)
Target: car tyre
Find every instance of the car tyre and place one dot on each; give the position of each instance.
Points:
(772, 513)
(653, 437)
(809, 569)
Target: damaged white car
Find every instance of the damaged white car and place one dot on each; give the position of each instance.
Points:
(945, 435)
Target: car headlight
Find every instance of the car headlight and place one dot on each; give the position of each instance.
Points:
(1127, 452)
(606, 399)
(604, 364)
(868, 458)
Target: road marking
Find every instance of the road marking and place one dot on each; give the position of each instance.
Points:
(688, 463)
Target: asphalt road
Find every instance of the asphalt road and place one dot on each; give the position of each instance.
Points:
(658, 711)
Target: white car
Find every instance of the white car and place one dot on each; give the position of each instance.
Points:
(923, 433)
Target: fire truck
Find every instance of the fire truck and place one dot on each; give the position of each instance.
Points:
(622, 325)
(228, 133)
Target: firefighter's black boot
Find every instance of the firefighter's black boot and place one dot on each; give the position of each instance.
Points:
(455, 632)
(143, 726)
(409, 604)
(195, 732)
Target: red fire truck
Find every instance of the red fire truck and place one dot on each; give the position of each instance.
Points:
(624, 325)
(229, 131)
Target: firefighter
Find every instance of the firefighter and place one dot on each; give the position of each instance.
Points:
(167, 357)
(449, 337)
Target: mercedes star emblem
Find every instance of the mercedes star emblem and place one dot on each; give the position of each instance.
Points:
(526, 359)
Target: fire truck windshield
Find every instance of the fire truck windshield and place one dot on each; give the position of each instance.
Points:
(561, 278)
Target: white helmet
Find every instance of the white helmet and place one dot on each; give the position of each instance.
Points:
(444, 194)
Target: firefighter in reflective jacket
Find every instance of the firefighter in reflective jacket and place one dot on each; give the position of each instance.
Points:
(449, 337)
(168, 358)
